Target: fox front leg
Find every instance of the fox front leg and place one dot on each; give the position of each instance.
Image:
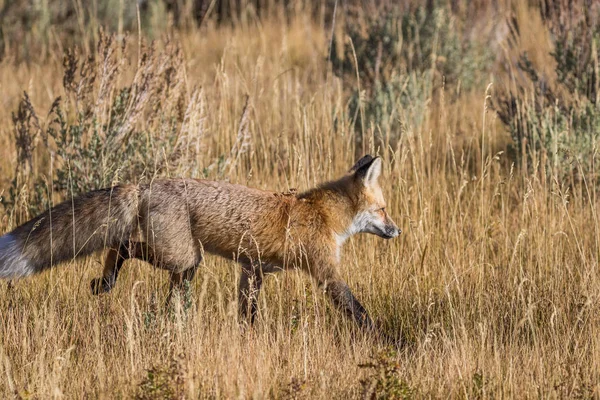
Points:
(342, 297)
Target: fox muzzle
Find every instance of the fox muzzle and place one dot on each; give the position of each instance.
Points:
(390, 232)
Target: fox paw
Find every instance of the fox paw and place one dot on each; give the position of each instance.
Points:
(99, 286)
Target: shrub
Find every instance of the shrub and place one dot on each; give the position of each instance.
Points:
(402, 55)
(556, 120)
(164, 382)
(100, 134)
(383, 380)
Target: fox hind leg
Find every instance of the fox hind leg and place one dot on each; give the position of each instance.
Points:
(114, 263)
(180, 286)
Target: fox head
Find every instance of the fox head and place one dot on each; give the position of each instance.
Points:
(370, 213)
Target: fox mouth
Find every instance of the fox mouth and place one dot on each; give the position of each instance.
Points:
(387, 235)
(390, 233)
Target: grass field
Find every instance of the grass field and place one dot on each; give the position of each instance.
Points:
(492, 290)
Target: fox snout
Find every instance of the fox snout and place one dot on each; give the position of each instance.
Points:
(380, 224)
(390, 230)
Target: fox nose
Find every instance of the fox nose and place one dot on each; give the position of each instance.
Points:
(393, 231)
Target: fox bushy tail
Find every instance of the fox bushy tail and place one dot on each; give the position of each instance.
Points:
(75, 228)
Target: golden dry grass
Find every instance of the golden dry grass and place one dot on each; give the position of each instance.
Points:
(493, 287)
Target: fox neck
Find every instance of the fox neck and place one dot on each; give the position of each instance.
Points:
(335, 200)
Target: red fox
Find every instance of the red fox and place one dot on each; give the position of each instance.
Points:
(170, 223)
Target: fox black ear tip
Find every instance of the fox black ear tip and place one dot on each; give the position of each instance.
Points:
(364, 160)
(368, 159)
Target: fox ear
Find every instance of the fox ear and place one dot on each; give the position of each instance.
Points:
(362, 163)
(368, 169)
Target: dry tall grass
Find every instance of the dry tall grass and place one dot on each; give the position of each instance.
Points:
(492, 289)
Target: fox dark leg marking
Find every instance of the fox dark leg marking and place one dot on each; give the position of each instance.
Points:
(180, 284)
(112, 266)
(180, 279)
(342, 297)
(251, 280)
(114, 263)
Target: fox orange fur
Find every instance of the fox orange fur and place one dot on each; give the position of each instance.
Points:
(171, 223)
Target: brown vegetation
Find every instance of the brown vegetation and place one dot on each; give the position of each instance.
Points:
(492, 290)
